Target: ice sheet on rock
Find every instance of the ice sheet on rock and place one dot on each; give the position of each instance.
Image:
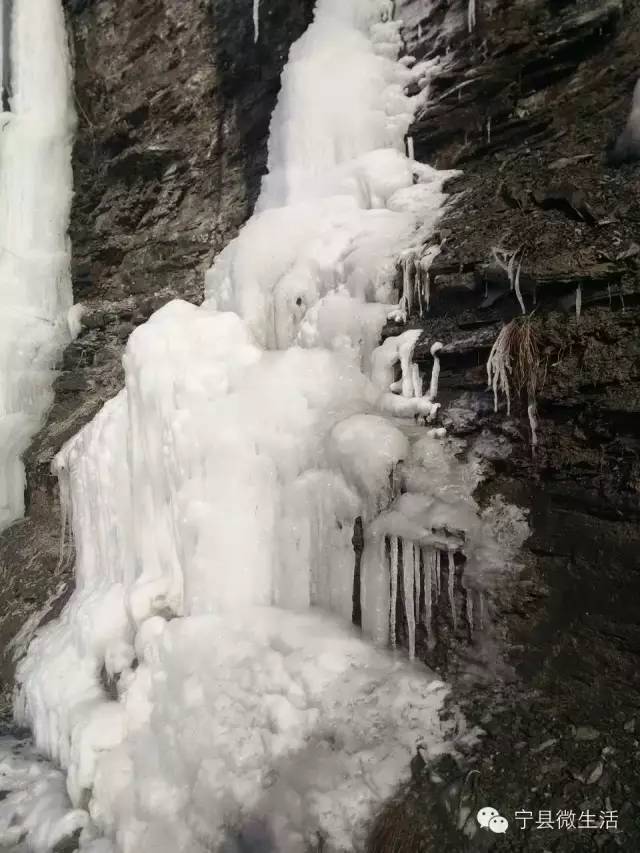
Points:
(368, 449)
(35, 200)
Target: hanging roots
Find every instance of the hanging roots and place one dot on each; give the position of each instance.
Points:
(513, 367)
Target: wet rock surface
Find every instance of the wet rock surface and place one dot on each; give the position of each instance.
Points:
(527, 108)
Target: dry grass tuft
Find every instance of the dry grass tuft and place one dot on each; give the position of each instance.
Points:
(514, 367)
(394, 830)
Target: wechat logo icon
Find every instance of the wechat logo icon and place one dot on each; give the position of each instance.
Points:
(491, 819)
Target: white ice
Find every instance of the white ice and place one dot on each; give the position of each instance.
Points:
(35, 199)
(213, 502)
(34, 806)
(471, 15)
(256, 20)
(433, 510)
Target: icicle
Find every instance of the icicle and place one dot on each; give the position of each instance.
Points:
(578, 302)
(393, 568)
(509, 267)
(428, 592)
(425, 266)
(374, 588)
(437, 566)
(417, 380)
(422, 571)
(426, 290)
(470, 610)
(489, 130)
(481, 610)
(451, 585)
(533, 422)
(256, 21)
(5, 53)
(406, 283)
(471, 15)
(405, 351)
(517, 288)
(410, 148)
(417, 286)
(435, 371)
(416, 580)
(409, 606)
(428, 559)
(419, 31)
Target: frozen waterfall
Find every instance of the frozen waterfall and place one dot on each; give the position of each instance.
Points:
(35, 198)
(213, 503)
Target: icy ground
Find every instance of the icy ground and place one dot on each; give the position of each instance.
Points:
(205, 677)
(35, 813)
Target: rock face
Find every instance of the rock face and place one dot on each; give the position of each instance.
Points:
(527, 108)
(173, 99)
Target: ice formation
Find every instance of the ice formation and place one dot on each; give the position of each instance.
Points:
(471, 15)
(627, 146)
(35, 198)
(256, 20)
(205, 674)
(506, 260)
(34, 806)
(432, 517)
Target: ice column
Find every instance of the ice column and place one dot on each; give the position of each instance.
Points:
(35, 200)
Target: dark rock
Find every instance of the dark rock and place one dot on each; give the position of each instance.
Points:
(586, 733)
(569, 200)
(71, 382)
(554, 86)
(69, 844)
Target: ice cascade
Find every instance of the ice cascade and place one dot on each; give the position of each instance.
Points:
(205, 676)
(35, 199)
